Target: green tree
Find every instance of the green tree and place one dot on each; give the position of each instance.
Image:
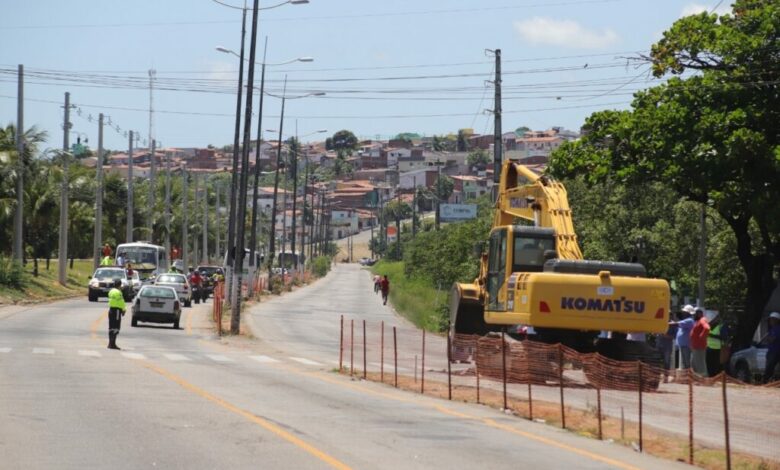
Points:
(463, 140)
(443, 187)
(344, 141)
(520, 131)
(478, 157)
(712, 137)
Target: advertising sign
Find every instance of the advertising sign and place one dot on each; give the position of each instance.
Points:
(456, 212)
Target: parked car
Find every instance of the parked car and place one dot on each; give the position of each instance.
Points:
(157, 304)
(103, 280)
(748, 364)
(367, 261)
(179, 283)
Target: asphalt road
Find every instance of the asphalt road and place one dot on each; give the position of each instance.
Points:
(185, 399)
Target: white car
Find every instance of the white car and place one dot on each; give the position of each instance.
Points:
(157, 304)
(748, 364)
(136, 281)
(179, 283)
(102, 281)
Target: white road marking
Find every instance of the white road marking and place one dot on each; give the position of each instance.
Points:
(177, 357)
(219, 358)
(43, 351)
(303, 360)
(88, 352)
(5, 350)
(264, 359)
(132, 355)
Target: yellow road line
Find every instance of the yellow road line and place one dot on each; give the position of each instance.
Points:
(96, 324)
(188, 328)
(332, 461)
(544, 440)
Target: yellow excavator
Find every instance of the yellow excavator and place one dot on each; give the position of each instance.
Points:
(533, 274)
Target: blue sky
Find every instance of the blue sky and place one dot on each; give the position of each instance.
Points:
(563, 59)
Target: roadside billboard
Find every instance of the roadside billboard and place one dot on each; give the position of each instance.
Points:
(456, 212)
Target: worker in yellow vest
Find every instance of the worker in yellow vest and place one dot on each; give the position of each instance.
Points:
(116, 310)
(717, 346)
(106, 261)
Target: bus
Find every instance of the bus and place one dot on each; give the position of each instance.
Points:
(146, 258)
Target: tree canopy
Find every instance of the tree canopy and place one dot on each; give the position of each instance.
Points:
(711, 137)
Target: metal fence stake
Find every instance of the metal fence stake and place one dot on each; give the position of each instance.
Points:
(598, 410)
(449, 368)
(726, 422)
(641, 379)
(365, 367)
(422, 368)
(382, 353)
(352, 347)
(503, 365)
(395, 357)
(341, 346)
(690, 415)
(560, 381)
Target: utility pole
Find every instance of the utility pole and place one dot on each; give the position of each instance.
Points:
(272, 238)
(702, 255)
(18, 249)
(498, 140)
(63, 247)
(217, 221)
(253, 233)
(235, 314)
(153, 166)
(98, 237)
(130, 183)
(295, 195)
(185, 222)
(414, 208)
(152, 191)
(196, 202)
(398, 223)
(438, 164)
(167, 204)
(231, 235)
(205, 254)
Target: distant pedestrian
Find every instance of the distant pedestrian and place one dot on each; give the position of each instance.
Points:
(107, 250)
(385, 287)
(699, 334)
(717, 346)
(106, 261)
(116, 310)
(377, 283)
(684, 326)
(120, 260)
(773, 341)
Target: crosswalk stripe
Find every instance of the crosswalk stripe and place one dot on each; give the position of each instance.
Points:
(264, 359)
(303, 360)
(177, 357)
(88, 352)
(218, 358)
(132, 355)
(5, 350)
(43, 351)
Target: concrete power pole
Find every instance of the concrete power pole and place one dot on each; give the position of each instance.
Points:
(167, 204)
(196, 202)
(98, 237)
(129, 235)
(152, 192)
(185, 221)
(217, 221)
(63, 246)
(205, 254)
(498, 140)
(18, 249)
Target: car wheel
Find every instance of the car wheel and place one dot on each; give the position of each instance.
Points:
(188, 303)
(134, 322)
(92, 297)
(742, 372)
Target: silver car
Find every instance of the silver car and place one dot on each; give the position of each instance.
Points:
(749, 364)
(103, 280)
(157, 304)
(179, 283)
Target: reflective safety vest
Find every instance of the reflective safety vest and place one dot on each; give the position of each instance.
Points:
(116, 299)
(106, 261)
(713, 340)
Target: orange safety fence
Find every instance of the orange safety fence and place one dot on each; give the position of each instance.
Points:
(218, 305)
(706, 421)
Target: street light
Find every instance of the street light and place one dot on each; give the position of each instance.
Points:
(295, 191)
(253, 230)
(291, 2)
(284, 98)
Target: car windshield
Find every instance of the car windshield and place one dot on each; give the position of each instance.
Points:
(207, 270)
(161, 292)
(173, 278)
(110, 274)
(139, 255)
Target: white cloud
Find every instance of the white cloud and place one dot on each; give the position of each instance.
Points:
(696, 8)
(568, 33)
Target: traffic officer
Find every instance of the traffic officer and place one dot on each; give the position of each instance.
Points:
(106, 261)
(116, 310)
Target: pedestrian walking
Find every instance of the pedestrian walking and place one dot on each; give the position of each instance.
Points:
(116, 310)
(120, 260)
(699, 334)
(684, 326)
(385, 287)
(773, 341)
(377, 283)
(107, 250)
(717, 346)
